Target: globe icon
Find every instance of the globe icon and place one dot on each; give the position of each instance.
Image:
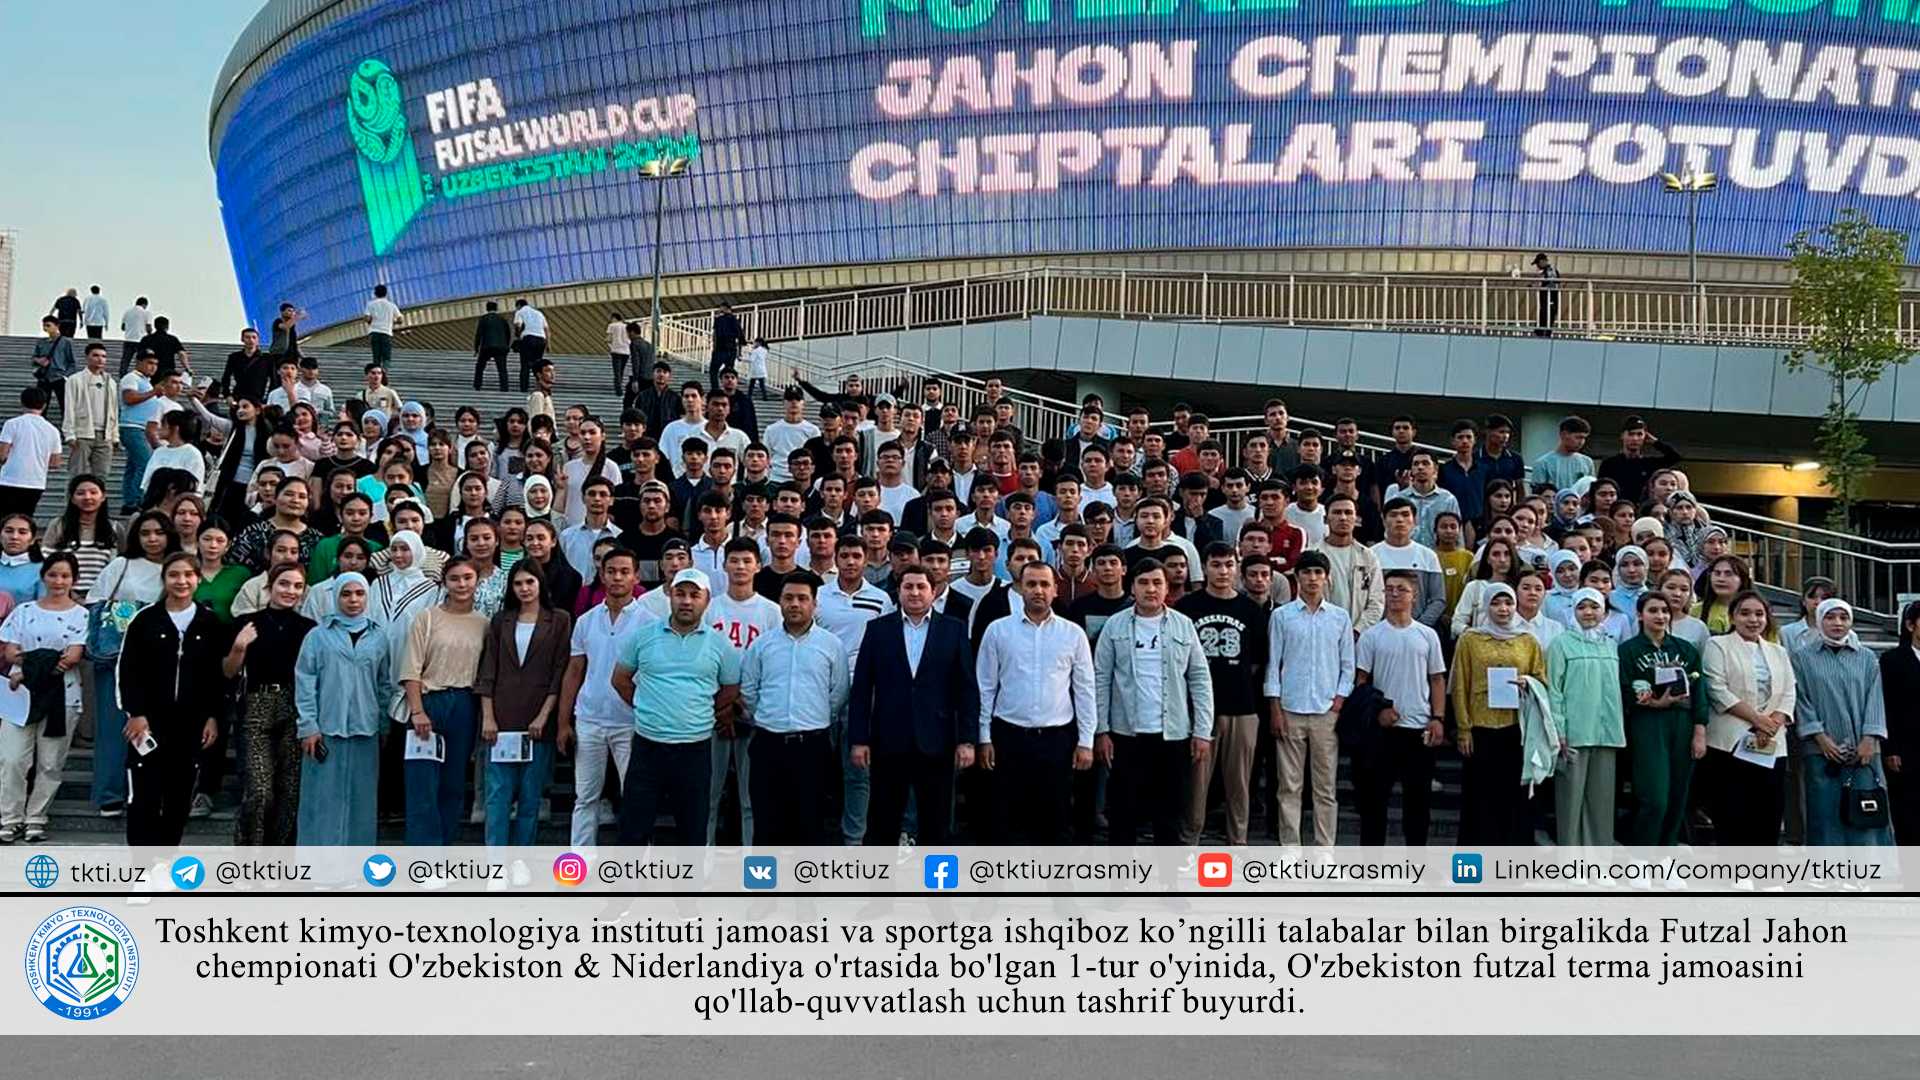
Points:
(42, 871)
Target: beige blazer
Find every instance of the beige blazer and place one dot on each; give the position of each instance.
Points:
(82, 401)
(1728, 663)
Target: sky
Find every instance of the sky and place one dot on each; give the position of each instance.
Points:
(106, 176)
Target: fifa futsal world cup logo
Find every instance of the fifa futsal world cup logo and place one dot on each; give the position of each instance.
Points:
(389, 172)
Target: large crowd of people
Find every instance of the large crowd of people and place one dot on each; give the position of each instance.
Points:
(878, 620)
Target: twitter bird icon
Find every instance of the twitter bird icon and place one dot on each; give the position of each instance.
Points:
(378, 870)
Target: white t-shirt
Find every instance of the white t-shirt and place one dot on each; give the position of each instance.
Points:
(1399, 659)
(1415, 556)
(1313, 524)
(187, 457)
(618, 343)
(894, 499)
(757, 362)
(742, 622)
(1149, 674)
(782, 440)
(673, 436)
(532, 322)
(32, 442)
(31, 627)
(1090, 495)
(1232, 521)
(574, 475)
(381, 313)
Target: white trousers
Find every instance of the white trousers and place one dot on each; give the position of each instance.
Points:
(21, 749)
(593, 740)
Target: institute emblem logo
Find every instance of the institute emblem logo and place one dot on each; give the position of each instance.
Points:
(82, 963)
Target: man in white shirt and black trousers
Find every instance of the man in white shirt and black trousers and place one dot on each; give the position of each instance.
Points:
(794, 681)
(1037, 714)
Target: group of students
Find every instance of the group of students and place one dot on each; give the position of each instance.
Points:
(929, 621)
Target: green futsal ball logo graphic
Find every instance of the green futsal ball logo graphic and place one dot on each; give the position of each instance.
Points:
(375, 118)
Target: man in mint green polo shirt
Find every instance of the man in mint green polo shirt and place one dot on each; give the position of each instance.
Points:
(683, 681)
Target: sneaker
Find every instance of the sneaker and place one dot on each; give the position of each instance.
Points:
(36, 834)
(9, 833)
(113, 810)
(202, 807)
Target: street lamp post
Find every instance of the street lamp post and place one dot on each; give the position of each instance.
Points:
(660, 169)
(1692, 185)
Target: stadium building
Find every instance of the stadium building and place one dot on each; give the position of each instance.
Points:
(1247, 185)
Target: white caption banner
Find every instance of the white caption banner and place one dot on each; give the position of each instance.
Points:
(1223, 964)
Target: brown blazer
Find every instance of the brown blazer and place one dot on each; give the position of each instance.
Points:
(519, 687)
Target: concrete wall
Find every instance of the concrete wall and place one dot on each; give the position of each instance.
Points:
(1557, 371)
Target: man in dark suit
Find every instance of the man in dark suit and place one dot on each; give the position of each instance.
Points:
(914, 710)
(492, 339)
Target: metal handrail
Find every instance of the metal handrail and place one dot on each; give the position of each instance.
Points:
(1601, 308)
(1780, 554)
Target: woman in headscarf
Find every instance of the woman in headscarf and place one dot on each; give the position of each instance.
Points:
(373, 428)
(1666, 713)
(413, 425)
(536, 495)
(1900, 682)
(1566, 513)
(408, 516)
(1751, 695)
(1629, 579)
(1499, 564)
(352, 557)
(404, 589)
(1494, 805)
(264, 649)
(342, 681)
(1841, 721)
(1686, 522)
(1583, 687)
(1565, 568)
(1712, 543)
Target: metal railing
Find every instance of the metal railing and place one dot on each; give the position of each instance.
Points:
(1600, 308)
(1873, 575)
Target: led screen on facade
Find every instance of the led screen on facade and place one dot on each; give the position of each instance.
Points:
(491, 146)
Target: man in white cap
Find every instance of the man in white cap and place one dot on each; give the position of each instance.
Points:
(682, 679)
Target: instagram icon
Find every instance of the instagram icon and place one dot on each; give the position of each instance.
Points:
(570, 869)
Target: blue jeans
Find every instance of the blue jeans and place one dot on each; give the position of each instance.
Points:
(134, 440)
(1824, 783)
(516, 788)
(437, 790)
(109, 746)
(856, 791)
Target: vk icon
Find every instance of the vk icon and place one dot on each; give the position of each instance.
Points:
(941, 872)
(760, 872)
(188, 872)
(1466, 868)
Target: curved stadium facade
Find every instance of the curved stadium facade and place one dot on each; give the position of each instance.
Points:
(490, 148)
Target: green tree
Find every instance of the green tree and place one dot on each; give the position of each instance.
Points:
(1846, 293)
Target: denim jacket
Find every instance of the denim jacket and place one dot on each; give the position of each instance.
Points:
(1116, 694)
(340, 686)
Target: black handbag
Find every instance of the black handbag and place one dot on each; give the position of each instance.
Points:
(1865, 807)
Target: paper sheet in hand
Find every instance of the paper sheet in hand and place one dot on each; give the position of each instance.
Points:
(1744, 751)
(431, 748)
(14, 703)
(512, 748)
(1503, 689)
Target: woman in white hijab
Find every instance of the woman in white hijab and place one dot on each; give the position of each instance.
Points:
(1497, 652)
(398, 596)
(1840, 720)
(1583, 689)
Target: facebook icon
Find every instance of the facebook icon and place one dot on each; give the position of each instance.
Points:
(941, 872)
(760, 872)
(1466, 868)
